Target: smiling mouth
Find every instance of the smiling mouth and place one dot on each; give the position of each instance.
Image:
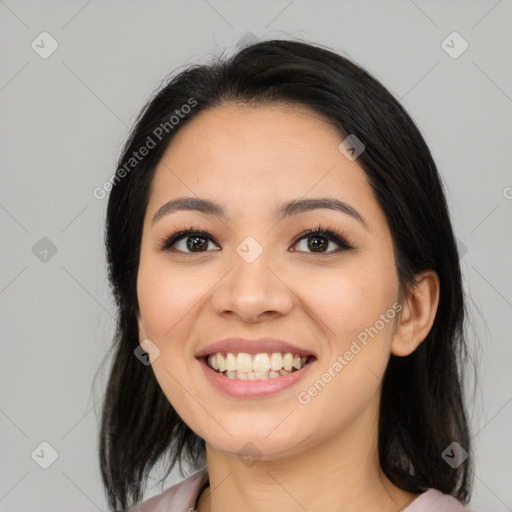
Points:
(243, 366)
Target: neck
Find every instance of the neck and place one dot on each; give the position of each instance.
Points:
(340, 473)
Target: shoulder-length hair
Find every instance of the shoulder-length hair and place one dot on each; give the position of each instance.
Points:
(422, 408)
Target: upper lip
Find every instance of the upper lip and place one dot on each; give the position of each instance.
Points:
(253, 346)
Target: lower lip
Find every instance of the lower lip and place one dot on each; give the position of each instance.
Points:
(253, 388)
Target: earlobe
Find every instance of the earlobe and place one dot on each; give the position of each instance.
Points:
(418, 314)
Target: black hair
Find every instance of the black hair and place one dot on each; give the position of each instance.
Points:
(422, 408)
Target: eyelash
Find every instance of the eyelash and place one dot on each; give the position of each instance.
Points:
(331, 233)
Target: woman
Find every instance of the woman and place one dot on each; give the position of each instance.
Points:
(289, 296)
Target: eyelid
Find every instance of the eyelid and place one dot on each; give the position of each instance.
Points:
(165, 243)
(330, 233)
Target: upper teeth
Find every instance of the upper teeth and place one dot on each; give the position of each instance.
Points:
(245, 363)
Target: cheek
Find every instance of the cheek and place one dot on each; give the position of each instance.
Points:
(355, 305)
(167, 302)
(165, 299)
(357, 338)
(350, 300)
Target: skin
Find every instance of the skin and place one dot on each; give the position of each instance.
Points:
(316, 456)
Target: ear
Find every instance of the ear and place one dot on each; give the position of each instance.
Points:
(142, 332)
(418, 314)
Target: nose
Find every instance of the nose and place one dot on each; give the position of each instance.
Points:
(253, 291)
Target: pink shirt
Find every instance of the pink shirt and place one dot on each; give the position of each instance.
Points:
(182, 497)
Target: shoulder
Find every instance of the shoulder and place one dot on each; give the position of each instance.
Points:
(433, 500)
(181, 497)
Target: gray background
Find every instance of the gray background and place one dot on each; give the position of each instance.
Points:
(63, 120)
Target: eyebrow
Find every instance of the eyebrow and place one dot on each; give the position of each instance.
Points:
(282, 211)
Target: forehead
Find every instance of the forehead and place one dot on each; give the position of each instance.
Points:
(246, 155)
(234, 131)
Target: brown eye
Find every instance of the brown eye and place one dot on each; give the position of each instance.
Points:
(318, 241)
(188, 242)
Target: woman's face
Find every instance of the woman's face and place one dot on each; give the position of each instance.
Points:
(339, 304)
